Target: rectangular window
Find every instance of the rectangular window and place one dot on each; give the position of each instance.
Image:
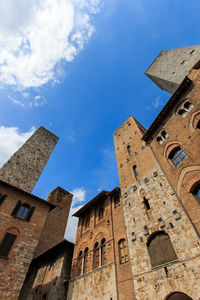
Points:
(7, 244)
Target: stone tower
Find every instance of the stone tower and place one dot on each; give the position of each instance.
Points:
(163, 259)
(170, 67)
(24, 168)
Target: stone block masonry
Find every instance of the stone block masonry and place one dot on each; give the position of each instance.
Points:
(24, 168)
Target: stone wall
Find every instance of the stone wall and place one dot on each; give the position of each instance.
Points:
(98, 284)
(180, 275)
(170, 67)
(151, 205)
(24, 168)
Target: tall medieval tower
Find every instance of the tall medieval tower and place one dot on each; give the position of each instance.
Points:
(160, 187)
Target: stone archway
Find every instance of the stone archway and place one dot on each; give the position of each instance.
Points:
(178, 296)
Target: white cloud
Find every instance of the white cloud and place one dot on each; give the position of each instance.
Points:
(37, 101)
(37, 36)
(16, 101)
(12, 140)
(79, 197)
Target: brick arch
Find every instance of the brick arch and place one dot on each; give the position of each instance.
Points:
(186, 297)
(99, 236)
(82, 248)
(154, 233)
(182, 177)
(169, 147)
(13, 230)
(195, 117)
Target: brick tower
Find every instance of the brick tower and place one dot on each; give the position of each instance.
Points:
(164, 261)
(24, 168)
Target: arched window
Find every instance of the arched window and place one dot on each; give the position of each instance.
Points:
(7, 244)
(188, 105)
(129, 149)
(195, 190)
(2, 198)
(85, 261)
(164, 134)
(103, 251)
(123, 254)
(80, 263)
(23, 211)
(198, 125)
(177, 156)
(96, 256)
(100, 213)
(160, 249)
(160, 140)
(178, 296)
(185, 108)
(135, 171)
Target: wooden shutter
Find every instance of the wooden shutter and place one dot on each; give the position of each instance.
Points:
(6, 244)
(30, 213)
(15, 210)
(85, 269)
(103, 254)
(2, 198)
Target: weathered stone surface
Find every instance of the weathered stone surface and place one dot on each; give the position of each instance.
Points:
(24, 168)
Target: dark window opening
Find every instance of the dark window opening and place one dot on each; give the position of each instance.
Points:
(2, 198)
(85, 262)
(196, 191)
(160, 140)
(116, 201)
(23, 211)
(100, 214)
(129, 149)
(7, 244)
(185, 109)
(87, 222)
(146, 203)
(123, 254)
(177, 156)
(164, 134)
(103, 251)
(198, 125)
(135, 171)
(96, 256)
(160, 249)
(80, 262)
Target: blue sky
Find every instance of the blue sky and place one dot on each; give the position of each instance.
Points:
(77, 68)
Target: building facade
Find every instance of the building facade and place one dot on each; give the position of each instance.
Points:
(101, 262)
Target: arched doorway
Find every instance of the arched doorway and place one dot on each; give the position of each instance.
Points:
(178, 296)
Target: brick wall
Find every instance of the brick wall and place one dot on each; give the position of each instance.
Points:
(15, 266)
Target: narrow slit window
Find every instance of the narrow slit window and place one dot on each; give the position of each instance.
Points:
(129, 149)
(146, 203)
(135, 171)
